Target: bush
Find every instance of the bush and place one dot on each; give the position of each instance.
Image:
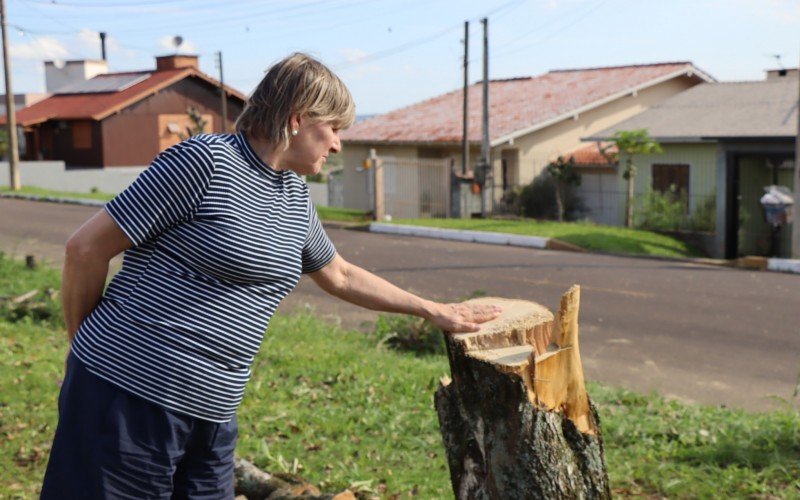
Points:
(669, 212)
(664, 211)
(704, 217)
(538, 200)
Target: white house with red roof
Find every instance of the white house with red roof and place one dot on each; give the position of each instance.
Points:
(532, 121)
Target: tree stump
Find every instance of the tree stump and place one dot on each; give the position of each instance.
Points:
(516, 419)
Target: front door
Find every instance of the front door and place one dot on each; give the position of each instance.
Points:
(749, 233)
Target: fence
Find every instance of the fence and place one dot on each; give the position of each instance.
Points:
(415, 188)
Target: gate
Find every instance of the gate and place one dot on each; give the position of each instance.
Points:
(416, 188)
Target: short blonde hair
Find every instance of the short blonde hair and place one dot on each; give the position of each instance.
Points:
(297, 85)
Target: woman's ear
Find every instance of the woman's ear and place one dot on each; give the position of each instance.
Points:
(294, 124)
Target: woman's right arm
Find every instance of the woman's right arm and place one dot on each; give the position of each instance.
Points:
(87, 254)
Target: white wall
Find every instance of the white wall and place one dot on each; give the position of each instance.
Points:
(53, 175)
(319, 193)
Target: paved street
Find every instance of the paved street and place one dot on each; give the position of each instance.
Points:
(692, 332)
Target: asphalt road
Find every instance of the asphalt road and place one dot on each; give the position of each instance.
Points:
(692, 332)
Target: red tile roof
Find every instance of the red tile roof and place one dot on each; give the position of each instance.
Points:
(591, 156)
(97, 106)
(515, 104)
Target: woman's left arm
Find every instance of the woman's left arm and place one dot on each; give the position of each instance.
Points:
(359, 286)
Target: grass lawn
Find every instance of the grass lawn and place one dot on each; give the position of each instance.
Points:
(590, 236)
(342, 214)
(336, 408)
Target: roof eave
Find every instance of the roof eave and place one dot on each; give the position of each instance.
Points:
(689, 70)
(384, 142)
(661, 139)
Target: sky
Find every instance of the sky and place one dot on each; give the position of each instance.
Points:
(393, 53)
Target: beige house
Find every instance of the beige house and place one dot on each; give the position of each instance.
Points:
(532, 121)
(723, 143)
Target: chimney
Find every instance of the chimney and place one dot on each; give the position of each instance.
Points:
(774, 74)
(60, 74)
(176, 62)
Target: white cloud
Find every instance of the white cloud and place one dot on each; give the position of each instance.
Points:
(186, 47)
(39, 49)
(352, 55)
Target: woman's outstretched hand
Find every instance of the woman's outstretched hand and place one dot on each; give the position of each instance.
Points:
(462, 317)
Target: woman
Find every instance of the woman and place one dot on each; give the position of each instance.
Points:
(215, 233)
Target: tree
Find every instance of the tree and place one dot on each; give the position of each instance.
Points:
(564, 174)
(633, 142)
(197, 124)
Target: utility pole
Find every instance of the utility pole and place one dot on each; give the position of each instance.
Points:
(11, 115)
(103, 45)
(224, 95)
(465, 134)
(485, 153)
(796, 180)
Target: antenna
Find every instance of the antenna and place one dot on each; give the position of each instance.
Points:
(778, 60)
(177, 40)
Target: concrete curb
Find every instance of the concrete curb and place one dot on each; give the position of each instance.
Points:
(461, 235)
(51, 199)
(784, 265)
(757, 263)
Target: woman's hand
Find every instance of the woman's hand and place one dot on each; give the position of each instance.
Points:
(462, 317)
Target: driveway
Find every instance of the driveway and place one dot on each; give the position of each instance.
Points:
(692, 332)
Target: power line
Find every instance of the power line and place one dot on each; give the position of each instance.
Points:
(559, 30)
(420, 41)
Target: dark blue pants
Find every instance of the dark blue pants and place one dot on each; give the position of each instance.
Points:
(111, 444)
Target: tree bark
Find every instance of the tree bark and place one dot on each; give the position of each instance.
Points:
(516, 420)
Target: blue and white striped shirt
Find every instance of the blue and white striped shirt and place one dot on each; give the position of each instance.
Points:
(220, 238)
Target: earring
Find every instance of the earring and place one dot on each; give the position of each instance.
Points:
(294, 133)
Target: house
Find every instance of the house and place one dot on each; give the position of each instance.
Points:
(722, 144)
(100, 119)
(532, 121)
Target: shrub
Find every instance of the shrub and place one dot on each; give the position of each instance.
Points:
(664, 211)
(538, 200)
(704, 217)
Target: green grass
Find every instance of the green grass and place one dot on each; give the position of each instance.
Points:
(336, 408)
(586, 235)
(35, 191)
(342, 214)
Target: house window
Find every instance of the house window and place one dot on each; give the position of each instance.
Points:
(667, 175)
(82, 135)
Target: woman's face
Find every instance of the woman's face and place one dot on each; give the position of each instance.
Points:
(309, 149)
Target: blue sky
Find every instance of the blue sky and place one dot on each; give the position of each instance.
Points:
(392, 53)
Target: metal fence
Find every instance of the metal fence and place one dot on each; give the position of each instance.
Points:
(416, 188)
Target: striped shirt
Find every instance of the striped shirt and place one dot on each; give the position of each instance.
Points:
(220, 238)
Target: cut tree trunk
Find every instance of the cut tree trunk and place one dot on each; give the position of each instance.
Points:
(516, 419)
